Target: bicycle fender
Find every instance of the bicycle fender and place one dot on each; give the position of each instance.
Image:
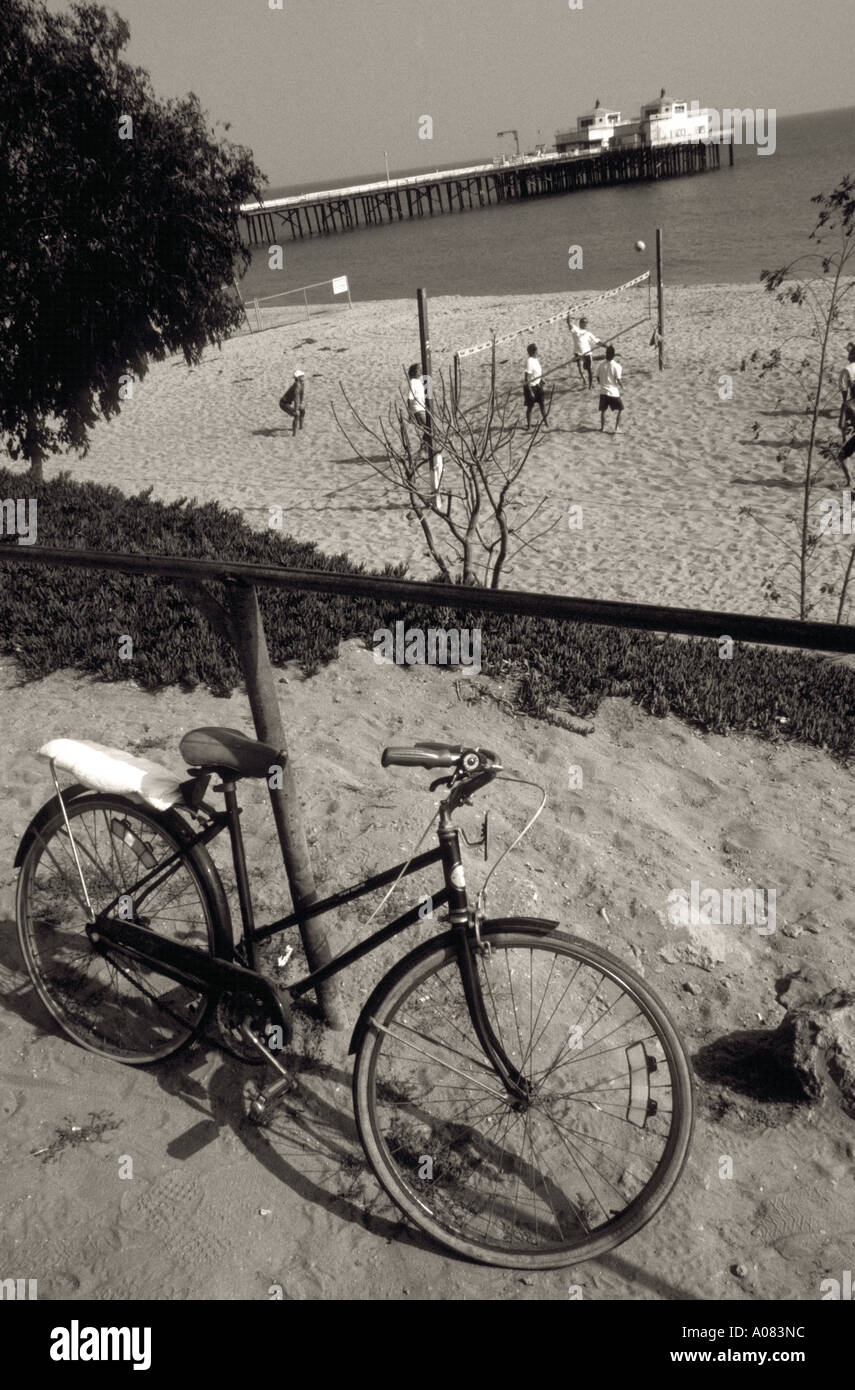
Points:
(534, 926)
(177, 826)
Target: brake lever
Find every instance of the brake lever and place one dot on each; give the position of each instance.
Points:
(440, 782)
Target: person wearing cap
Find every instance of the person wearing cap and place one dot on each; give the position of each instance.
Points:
(293, 401)
(583, 342)
(846, 382)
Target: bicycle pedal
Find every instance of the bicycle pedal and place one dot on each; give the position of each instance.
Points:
(262, 1104)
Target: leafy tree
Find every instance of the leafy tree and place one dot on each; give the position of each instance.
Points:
(119, 229)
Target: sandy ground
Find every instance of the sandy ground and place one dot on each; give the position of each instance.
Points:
(217, 1210)
(661, 503)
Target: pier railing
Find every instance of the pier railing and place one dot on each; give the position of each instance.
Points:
(456, 190)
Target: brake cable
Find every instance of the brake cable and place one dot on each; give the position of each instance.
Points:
(480, 903)
(404, 867)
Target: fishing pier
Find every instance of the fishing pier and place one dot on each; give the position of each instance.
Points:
(457, 190)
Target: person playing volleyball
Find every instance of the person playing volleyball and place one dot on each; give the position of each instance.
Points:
(609, 375)
(533, 386)
(294, 401)
(416, 406)
(847, 391)
(583, 342)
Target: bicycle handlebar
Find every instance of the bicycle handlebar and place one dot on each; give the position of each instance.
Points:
(422, 755)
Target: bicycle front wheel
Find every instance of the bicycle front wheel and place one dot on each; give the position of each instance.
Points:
(563, 1177)
(102, 999)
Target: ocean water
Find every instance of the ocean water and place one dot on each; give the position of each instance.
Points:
(720, 227)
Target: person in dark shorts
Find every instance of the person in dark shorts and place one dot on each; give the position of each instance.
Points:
(847, 392)
(609, 375)
(293, 401)
(533, 386)
(846, 453)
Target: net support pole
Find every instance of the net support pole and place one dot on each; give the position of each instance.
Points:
(306, 298)
(424, 341)
(660, 300)
(456, 379)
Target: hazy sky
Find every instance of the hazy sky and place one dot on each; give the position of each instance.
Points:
(321, 88)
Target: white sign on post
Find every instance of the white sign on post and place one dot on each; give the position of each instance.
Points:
(339, 285)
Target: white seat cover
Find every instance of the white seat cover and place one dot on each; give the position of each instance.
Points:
(113, 770)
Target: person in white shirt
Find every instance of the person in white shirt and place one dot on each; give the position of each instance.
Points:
(533, 386)
(609, 375)
(416, 402)
(583, 342)
(846, 382)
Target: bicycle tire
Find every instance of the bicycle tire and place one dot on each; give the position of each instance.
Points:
(394, 1163)
(110, 1005)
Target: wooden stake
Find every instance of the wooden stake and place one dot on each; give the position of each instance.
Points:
(424, 339)
(660, 298)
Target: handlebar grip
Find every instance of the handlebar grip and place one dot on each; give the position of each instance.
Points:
(438, 756)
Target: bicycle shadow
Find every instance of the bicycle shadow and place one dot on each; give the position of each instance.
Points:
(310, 1142)
(16, 991)
(311, 1145)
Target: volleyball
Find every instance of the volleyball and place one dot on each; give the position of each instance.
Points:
(639, 246)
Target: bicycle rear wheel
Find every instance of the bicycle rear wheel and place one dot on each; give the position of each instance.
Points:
(101, 999)
(569, 1175)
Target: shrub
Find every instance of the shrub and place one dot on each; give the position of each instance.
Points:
(53, 617)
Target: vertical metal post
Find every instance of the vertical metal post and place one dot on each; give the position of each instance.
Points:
(660, 299)
(255, 663)
(306, 298)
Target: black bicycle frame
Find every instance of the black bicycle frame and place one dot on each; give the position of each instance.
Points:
(131, 938)
(112, 930)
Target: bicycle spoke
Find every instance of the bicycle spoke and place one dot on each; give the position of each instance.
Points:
(115, 1004)
(555, 1166)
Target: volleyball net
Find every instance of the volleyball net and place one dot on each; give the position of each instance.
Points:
(612, 310)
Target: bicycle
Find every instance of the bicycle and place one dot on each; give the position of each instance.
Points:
(543, 1080)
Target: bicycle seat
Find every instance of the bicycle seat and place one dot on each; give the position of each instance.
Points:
(229, 753)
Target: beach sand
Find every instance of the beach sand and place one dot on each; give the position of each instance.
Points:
(213, 1209)
(661, 502)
